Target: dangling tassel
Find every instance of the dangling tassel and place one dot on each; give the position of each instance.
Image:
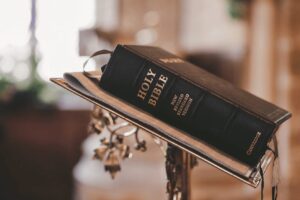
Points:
(262, 184)
(275, 178)
(275, 171)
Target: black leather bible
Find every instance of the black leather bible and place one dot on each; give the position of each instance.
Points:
(191, 99)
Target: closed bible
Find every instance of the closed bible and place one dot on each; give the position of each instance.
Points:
(203, 106)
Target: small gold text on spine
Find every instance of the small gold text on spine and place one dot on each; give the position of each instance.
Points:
(253, 143)
(171, 60)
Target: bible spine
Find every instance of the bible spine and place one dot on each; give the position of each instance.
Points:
(186, 106)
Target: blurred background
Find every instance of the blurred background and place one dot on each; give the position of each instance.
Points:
(45, 152)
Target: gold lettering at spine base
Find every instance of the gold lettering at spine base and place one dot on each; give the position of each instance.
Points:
(253, 143)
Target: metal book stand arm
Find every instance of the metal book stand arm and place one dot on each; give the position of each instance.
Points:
(112, 150)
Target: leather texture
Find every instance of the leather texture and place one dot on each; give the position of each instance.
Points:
(228, 118)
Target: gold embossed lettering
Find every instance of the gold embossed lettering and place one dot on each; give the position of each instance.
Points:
(150, 73)
(156, 92)
(145, 86)
(171, 60)
(253, 143)
(152, 102)
(142, 94)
